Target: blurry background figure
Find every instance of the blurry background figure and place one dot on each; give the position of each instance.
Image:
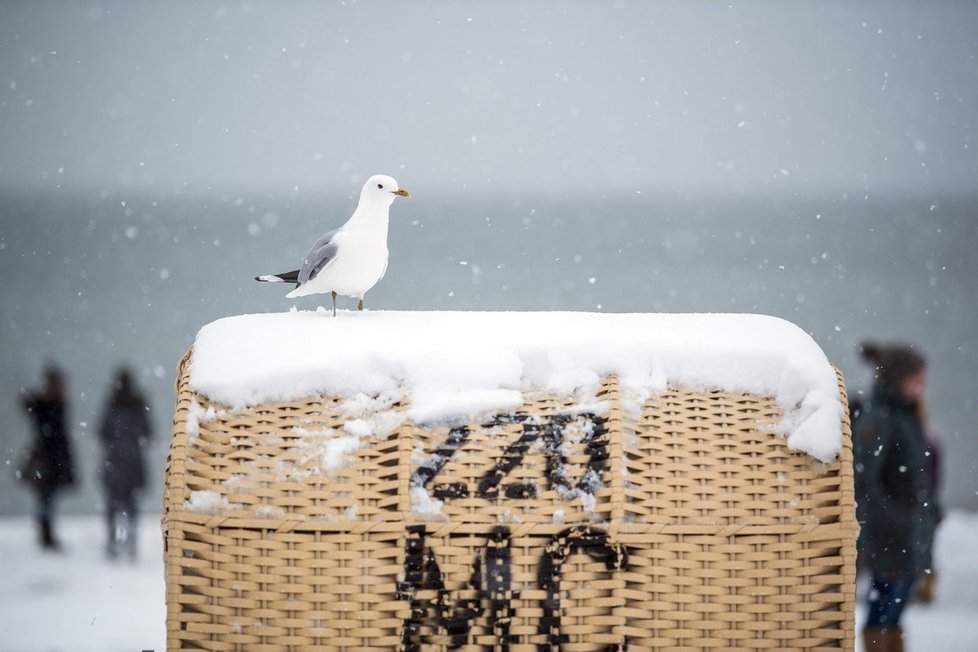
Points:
(927, 582)
(47, 467)
(125, 434)
(894, 497)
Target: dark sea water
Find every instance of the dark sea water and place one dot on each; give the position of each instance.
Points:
(95, 282)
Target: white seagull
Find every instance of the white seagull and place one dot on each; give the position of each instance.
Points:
(351, 259)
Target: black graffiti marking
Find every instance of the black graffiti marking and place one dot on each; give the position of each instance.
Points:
(499, 586)
(490, 581)
(456, 618)
(521, 490)
(595, 544)
(491, 584)
(511, 458)
(450, 490)
(437, 461)
(595, 445)
(414, 548)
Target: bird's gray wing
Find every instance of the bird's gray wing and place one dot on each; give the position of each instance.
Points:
(321, 255)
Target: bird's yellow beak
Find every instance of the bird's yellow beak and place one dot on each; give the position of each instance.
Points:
(401, 193)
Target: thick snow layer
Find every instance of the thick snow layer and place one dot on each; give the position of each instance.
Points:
(455, 365)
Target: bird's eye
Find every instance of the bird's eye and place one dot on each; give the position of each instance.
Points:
(380, 185)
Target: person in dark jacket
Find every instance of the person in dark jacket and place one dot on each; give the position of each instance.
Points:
(48, 467)
(893, 490)
(125, 434)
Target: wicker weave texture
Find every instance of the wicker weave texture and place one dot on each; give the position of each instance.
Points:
(684, 523)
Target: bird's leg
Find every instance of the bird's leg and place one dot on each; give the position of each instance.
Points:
(360, 304)
(334, 304)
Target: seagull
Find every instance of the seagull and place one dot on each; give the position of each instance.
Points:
(351, 259)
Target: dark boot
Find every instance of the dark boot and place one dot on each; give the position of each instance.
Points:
(874, 639)
(883, 639)
(925, 588)
(132, 531)
(48, 541)
(894, 639)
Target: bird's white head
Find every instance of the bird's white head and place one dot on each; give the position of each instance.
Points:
(381, 188)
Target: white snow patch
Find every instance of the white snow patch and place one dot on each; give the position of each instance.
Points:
(454, 365)
(362, 405)
(194, 415)
(586, 405)
(270, 512)
(424, 506)
(377, 414)
(329, 449)
(209, 502)
(508, 517)
(197, 415)
(239, 484)
(589, 503)
(358, 427)
(337, 451)
(384, 423)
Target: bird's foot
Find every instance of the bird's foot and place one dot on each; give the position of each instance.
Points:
(360, 305)
(334, 304)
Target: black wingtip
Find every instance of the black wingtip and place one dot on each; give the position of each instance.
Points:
(285, 277)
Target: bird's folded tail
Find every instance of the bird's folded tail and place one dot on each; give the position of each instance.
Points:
(285, 277)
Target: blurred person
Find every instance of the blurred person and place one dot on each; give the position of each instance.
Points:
(125, 434)
(48, 466)
(893, 491)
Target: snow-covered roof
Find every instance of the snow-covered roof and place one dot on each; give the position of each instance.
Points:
(453, 365)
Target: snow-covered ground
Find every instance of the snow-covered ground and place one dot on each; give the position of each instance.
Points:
(77, 601)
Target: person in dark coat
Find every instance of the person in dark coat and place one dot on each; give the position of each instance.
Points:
(125, 434)
(48, 467)
(893, 490)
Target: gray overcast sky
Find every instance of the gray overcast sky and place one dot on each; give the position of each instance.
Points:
(805, 97)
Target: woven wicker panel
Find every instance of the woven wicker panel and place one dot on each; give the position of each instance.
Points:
(681, 524)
